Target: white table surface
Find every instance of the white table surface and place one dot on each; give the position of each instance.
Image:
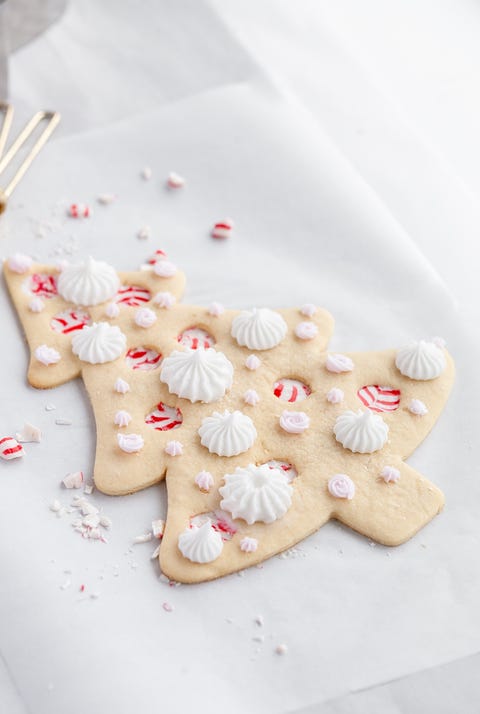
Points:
(343, 143)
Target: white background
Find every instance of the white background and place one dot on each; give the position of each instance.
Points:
(342, 139)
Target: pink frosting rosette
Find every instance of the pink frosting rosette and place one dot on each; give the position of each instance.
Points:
(341, 486)
(294, 422)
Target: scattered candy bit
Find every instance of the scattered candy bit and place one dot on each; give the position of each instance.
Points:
(335, 396)
(252, 362)
(306, 330)
(158, 526)
(168, 607)
(10, 448)
(258, 638)
(155, 553)
(65, 585)
(144, 538)
(146, 173)
(63, 422)
(95, 595)
(55, 506)
(281, 649)
(73, 480)
(19, 263)
(216, 309)
(106, 198)
(88, 488)
(417, 407)
(82, 588)
(308, 309)
(259, 620)
(50, 407)
(29, 433)
(204, 481)
(175, 181)
(248, 545)
(144, 233)
(223, 229)
(165, 300)
(79, 210)
(105, 521)
(174, 448)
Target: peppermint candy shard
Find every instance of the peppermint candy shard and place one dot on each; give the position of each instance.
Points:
(164, 417)
(142, 358)
(69, 321)
(379, 399)
(196, 338)
(291, 390)
(10, 448)
(132, 295)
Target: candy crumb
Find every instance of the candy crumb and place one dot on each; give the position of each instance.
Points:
(168, 607)
(281, 649)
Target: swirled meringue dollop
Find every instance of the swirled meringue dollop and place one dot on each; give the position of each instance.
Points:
(88, 283)
(47, 355)
(130, 443)
(99, 343)
(341, 486)
(259, 329)
(227, 434)
(256, 493)
(198, 375)
(421, 360)
(361, 432)
(294, 422)
(200, 545)
(339, 363)
(144, 317)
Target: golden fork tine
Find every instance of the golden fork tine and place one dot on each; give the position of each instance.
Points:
(7, 111)
(52, 119)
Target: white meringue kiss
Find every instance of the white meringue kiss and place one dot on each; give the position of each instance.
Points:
(248, 545)
(204, 481)
(174, 448)
(144, 317)
(121, 386)
(200, 544)
(417, 407)
(294, 422)
(47, 355)
(165, 300)
(251, 397)
(308, 309)
(252, 362)
(341, 486)
(36, 304)
(215, 309)
(88, 283)
(361, 432)
(256, 493)
(122, 418)
(306, 330)
(339, 363)
(227, 434)
(99, 343)
(259, 329)
(19, 263)
(421, 360)
(390, 474)
(130, 443)
(198, 375)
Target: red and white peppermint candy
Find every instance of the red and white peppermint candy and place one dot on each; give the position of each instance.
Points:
(142, 358)
(379, 399)
(158, 255)
(69, 321)
(10, 448)
(41, 285)
(164, 418)
(132, 295)
(220, 522)
(195, 338)
(289, 469)
(223, 229)
(291, 390)
(79, 210)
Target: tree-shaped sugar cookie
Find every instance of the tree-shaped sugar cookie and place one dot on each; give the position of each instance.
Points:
(262, 435)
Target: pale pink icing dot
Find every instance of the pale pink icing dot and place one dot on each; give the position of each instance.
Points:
(165, 300)
(251, 397)
(335, 395)
(130, 443)
(341, 486)
(112, 310)
(216, 309)
(145, 317)
(175, 181)
(122, 418)
(19, 263)
(390, 474)
(121, 386)
(294, 422)
(174, 448)
(47, 355)
(252, 362)
(306, 330)
(204, 480)
(164, 269)
(73, 480)
(308, 309)
(339, 363)
(36, 304)
(417, 407)
(248, 545)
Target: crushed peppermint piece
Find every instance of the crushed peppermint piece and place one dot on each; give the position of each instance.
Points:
(168, 607)
(281, 649)
(65, 585)
(10, 448)
(146, 173)
(259, 620)
(88, 488)
(155, 553)
(73, 480)
(105, 521)
(144, 538)
(158, 526)
(222, 229)
(106, 198)
(29, 433)
(144, 233)
(63, 422)
(50, 407)
(175, 181)
(79, 210)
